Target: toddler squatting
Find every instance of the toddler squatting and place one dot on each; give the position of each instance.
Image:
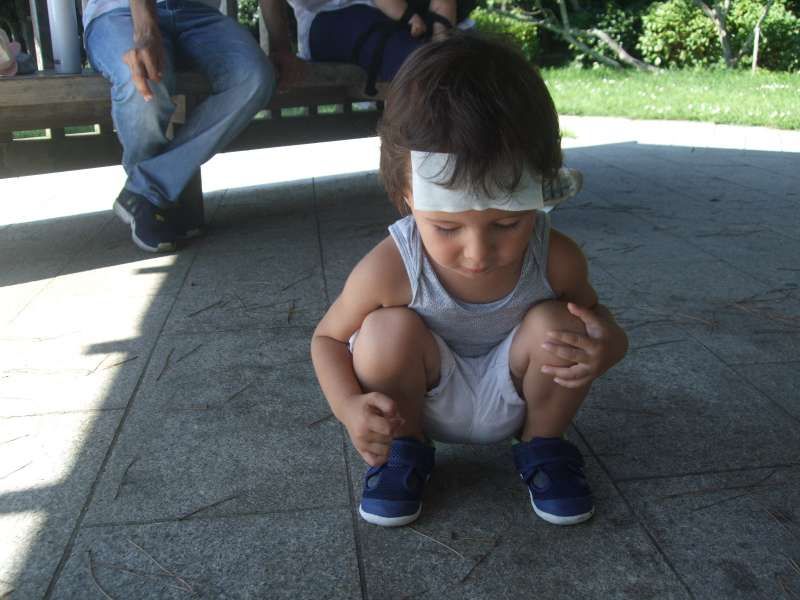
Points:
(473, 321)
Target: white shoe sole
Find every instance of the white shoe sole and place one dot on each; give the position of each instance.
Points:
(389, 521)
(559, 520)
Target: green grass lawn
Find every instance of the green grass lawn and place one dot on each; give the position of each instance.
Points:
(718, 96)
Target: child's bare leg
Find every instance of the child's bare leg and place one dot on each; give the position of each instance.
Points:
(445, 8)
(551, 407)
(395, 354)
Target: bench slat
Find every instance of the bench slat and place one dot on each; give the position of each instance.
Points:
(49, 100)
(33, 157)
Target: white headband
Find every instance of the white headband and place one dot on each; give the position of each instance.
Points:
(430, 171)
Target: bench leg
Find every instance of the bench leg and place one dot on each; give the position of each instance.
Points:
(190, 203)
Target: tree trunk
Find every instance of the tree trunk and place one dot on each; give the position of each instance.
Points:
(719, 16)
(755, 37)
(622, 54)
(565, 31)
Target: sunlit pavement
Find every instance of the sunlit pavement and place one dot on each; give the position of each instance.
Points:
(162, 434)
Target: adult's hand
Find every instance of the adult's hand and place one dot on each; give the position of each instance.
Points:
(291, 69)
(146, 59)
(146, 62)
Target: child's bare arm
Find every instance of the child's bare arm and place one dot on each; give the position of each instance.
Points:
(393, 9)
(445, 8)
(605, 342)
(379, 280)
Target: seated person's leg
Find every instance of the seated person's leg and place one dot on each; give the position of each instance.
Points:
(140, 125)
(242, 81)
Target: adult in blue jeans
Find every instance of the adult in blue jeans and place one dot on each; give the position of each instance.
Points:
(136, 44)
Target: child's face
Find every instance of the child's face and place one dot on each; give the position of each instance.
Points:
(475, 243)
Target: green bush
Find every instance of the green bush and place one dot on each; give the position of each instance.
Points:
(676, 33)
(524, 35)
(248, 15)
(779, 48)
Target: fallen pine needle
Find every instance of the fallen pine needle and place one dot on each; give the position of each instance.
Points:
(155, 576)
(219, 302)
(212, 505)
(177, 578)
(166, 364)
(453, 550)
(189, 353)
(480, 560)
(94, 577)
(319, 421)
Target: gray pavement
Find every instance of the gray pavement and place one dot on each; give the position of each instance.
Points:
(162, 434)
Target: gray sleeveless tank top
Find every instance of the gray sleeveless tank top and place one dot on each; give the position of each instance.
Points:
(472, 329)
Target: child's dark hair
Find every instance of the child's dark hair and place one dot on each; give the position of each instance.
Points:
(478, 99)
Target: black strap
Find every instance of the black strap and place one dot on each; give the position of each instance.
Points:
(406, 16)
(433, 17)
(386, 29)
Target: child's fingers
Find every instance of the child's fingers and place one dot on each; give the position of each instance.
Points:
(380, 449)
(575, 372)
(571, 339)
(566, 352)
(379, 425)
(573, 384)
(584, 314)
(373, 460)
(385, 405)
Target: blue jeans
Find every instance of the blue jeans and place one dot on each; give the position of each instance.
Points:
(240, 75)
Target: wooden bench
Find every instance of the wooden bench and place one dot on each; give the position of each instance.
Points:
(52, 102)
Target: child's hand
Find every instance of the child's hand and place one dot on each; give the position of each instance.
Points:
(593, 354)
(371, 424)
(418, 26)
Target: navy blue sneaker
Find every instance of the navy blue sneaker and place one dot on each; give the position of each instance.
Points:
(392, 493)
(151, 228)
(553, 470)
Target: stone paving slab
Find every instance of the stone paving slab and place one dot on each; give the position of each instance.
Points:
(621, 237)
(729, 535)
(228, 469)
(351, 223)
(49, 466)
(759, 334)
(224, 423)
(280, 283)
(479, 538)
(672, 407)
(289, 555)
(81, 357)
(780, 382)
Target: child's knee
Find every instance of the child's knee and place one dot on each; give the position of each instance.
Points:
(551, 315)
(388, 338)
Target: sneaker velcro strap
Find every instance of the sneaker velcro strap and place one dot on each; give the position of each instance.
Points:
(541, 452)
(409, 452)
